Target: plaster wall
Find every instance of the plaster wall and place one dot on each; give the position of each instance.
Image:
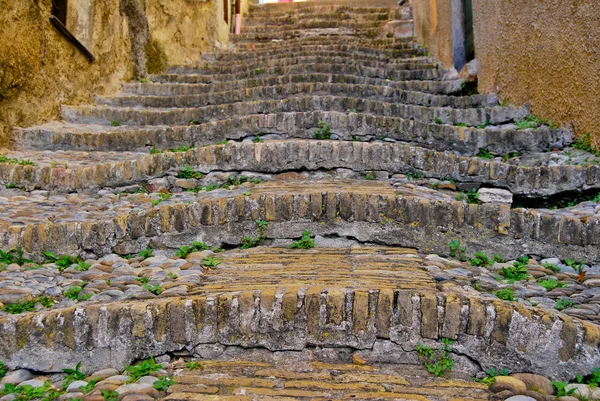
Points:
(433, 28)
(545, 54)
(40, 68)
(184, 29)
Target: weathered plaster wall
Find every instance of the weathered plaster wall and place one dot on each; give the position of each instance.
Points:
(184, 29)
(433, 28)
(545, 53)
(40, 69)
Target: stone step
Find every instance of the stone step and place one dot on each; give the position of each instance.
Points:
(314, 327)
(425, 73)
(357, 43)
(302, 56)
(158, 88)
(368, 211)
(324, 58)
(306, 379)
(295, 89)
(111, 169)
(347, 126)
(322, 10)
(293, 19)
(87, 114)
(160, 85)
(310, 24)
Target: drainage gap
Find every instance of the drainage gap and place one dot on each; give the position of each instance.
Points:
(557, 201)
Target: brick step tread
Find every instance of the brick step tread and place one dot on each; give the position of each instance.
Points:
(294, 89)
(180, 116)
(426, 73)
(498, 140)
(383, 211)
(113, 169)
(161, 84)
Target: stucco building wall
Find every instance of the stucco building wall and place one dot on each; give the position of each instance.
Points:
(433, 28)
(545, 54)
(184, 29)
(40, 69)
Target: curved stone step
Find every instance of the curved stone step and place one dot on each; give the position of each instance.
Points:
(347, 58)
(159, 88)
(419, 218)
(293, 18)
(348, 126)
(179, 116)
(425, 73)
(295, 89)
(304, 24)
(379, 323)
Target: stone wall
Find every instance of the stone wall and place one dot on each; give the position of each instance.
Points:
(40, 69)
(543, 54)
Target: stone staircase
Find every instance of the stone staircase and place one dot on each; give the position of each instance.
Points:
(324, 117)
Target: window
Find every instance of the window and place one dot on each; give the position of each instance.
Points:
(59, 10)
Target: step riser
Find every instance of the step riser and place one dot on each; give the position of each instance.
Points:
(289, 90)
(118, 334)
(471, 117)
(284, 29)
(386, 219)
(276, 157)
(172, 88)
(382, 73)
(467, 141)
(228, 68)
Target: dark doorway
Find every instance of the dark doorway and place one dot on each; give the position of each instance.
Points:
(469, 40)
(462, 28)
(59, 10)
(226, 11)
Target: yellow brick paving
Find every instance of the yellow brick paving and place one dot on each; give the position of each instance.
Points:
(281, 268)
(248, 380)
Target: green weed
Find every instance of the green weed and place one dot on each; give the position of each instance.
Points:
(323, 132)
(305, 242)
(437, 361)
(146, 253)
(564, 303)
(457, 250)
(187, 172)
(163, 383)
(62, 262)
(210, 262)
(507, 294)
(155, 289)
(115, 123)
(196, 246)
(484, 154)
(27, 306)
(144, 368)
(481, 260)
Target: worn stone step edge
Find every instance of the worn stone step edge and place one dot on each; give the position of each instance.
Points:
(425, 73)
(300, 88)
(159, 85)
(466, 140)
(315, 57)
(495, 334)
(85, 114)
(390, 219)
(281, 156)
(311, 24)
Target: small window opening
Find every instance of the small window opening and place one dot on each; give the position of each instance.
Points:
(59, 10)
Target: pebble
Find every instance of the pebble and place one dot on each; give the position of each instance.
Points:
(16, 377)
